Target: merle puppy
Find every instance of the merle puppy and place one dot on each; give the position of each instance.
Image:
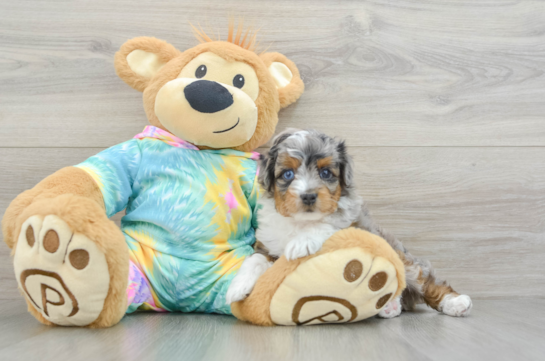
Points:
(307, 195)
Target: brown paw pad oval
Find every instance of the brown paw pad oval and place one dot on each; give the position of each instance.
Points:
(378, 281)
(353, 270)
(382, 301)
(30, 236)
(79, 258)
(51, 241)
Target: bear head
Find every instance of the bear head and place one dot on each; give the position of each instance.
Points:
(218, 94)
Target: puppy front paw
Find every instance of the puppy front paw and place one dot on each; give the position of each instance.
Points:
(391, 310)
(298, 248)
(238, 290)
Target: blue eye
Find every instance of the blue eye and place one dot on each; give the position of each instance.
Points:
(325, 174)
(288, 175)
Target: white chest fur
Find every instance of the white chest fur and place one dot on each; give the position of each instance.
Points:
(276, 231)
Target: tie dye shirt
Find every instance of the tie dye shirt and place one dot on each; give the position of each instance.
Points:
(190, 215)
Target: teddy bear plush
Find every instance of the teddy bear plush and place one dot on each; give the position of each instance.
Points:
(188, 185)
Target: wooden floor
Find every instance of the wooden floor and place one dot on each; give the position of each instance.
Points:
(442, 104)
(497, 330)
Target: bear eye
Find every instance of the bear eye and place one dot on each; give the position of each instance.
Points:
(325, 174)
(200, 72)
(238, 81)
(288, 175)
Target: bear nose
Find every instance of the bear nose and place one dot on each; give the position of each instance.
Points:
(208, 96)
(309, 198)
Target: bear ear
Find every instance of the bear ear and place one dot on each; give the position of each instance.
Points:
(286, 76)
(139, 59)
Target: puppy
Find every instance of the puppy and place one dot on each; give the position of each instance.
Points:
(308, 194)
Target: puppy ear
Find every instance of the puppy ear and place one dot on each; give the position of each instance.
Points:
(266, 179)
(346, 166)
(286, 77)
(268, 162)
(139, 59)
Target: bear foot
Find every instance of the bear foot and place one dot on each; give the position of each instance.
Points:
(353, 285)
(353, 277)
(62, 274)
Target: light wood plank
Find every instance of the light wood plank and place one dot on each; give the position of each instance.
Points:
(476, 213)
(16, 324)
(497, 330)
(492, 332)
(380, 73)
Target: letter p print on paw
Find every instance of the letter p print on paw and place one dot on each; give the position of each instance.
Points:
(63, 274)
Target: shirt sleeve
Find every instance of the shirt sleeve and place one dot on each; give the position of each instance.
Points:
(114, 170)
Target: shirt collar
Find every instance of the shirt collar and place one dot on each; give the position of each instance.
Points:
(151, 131)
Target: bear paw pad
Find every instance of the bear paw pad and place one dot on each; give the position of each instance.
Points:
(62, 274)
(349, 285)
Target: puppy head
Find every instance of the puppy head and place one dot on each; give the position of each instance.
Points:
(306, 172)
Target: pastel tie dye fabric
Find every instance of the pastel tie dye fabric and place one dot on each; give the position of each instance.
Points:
(190, 217)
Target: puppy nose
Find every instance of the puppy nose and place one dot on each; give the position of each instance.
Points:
(309, 198)
(208, 96)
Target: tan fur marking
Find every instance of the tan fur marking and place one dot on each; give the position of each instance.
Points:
(324, 162)
(271, 258)
(286, 204)
(260, 248)
(433, 291)
(327, 201)
(290, 163)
